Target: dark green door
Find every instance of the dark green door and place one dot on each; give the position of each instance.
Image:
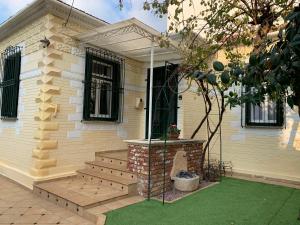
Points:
(164, 103)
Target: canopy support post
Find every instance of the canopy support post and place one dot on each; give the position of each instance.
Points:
(150, 115)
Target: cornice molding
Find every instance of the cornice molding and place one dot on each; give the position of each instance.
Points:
(40, 8)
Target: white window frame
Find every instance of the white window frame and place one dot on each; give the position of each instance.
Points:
(99, 79)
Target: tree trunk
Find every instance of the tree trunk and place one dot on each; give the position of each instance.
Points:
(213, 133)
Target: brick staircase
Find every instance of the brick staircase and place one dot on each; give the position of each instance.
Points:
(102, 181)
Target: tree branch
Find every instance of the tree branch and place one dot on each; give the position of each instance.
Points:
(208, 101)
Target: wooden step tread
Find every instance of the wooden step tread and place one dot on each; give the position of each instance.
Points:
(80, 192)
(119, 154)
(108, 165)
(115, 179)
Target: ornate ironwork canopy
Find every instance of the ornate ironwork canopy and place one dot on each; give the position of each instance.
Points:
(131, 38)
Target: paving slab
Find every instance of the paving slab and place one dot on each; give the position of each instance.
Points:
(19, 205)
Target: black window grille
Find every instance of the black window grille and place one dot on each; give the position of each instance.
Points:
(267, 114)
(10, 68)
(103, 92)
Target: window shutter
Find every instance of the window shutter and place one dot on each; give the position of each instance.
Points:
(87, 86)
(116, 93)
(10, 85)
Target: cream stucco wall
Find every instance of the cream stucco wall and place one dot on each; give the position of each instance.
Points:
(195, 9)
(16, 137)
(78, 140)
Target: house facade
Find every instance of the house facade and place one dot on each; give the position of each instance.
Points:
(86, 91)
(259, 141)
(65, 96)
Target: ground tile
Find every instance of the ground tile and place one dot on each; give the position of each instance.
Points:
(78, 220)
(35, 211)
(99, 210)
(7, 218)
(14, 201)
(28, 219)
(15, 211)
(132, 200)
(101, 220)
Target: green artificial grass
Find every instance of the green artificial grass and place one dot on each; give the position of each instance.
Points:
(232, 202)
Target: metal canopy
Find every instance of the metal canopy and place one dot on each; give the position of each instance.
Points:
(130, 38)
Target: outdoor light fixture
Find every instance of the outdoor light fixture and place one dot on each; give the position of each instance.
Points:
(138, 103)
(45, 42)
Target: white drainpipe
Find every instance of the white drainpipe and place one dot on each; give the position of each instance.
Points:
(151, 92)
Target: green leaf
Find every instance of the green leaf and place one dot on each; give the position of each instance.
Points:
(198, 75)
(296, 37)
(295, 43)
(253, 59)
(296, 64)
(231, 65)
(275, 60)
(225, 78)
(212, 79)
(237, 72)
(218, 66)
(292, 15)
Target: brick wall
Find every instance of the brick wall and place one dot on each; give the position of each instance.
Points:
(138, 162)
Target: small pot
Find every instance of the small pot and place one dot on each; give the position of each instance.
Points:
(173, 136)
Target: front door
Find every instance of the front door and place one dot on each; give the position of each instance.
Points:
(164, 103)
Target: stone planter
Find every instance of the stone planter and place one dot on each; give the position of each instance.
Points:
(186, 184)
(138, 162)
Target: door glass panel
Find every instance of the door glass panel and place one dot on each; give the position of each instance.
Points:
(164, 104)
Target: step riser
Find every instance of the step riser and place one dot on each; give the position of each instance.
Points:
(59, 201)
(113, 162)
(113, 172)
(100, 181)
(79, 210)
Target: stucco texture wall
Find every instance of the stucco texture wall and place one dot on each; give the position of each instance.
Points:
(16, 137)
(77, 140)
(269, 152)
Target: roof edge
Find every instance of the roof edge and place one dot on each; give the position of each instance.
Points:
(39, 8)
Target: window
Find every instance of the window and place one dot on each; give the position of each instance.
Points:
(9, 82)
(103, 92)
(269, 113)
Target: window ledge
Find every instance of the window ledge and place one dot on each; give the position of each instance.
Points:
(264, 126)
(9, 119)
(100, 121)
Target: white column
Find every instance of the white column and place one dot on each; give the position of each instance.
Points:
(150, 92)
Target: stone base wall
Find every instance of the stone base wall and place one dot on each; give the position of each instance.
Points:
(138, 162)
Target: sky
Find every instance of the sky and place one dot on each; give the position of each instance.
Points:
(107, 10)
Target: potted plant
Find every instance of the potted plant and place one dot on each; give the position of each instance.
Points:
(173, 132)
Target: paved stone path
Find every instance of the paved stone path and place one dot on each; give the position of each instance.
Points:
(19, 206)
